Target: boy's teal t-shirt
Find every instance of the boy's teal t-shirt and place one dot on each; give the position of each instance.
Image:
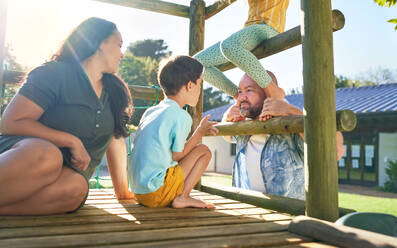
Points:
(162, 130)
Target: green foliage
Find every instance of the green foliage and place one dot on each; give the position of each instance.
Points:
(155, 49)
(344, 82)
(391, 171)
(214, 98)
(388, 3)
(379, 75)
(140, 71)
(9, 90)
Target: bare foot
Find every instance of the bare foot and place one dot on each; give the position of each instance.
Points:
(184, 202)
(273, 91)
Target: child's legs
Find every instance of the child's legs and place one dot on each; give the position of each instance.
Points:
(193, 166)
(210, 58)
(237, 48)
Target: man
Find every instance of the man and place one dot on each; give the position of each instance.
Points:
(268, 163)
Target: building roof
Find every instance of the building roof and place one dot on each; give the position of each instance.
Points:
(361, 100)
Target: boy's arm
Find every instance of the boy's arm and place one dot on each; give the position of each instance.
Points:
(204, 127)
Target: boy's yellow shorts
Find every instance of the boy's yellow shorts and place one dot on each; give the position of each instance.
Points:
(172, 187)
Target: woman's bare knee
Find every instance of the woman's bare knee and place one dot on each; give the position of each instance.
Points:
(46, 162)
(74, 192)
(39, 158)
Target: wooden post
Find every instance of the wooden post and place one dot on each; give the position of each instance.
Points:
(319, 110)
(196, 44)
(3, 25)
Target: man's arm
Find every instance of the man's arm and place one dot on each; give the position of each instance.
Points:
(276, 107)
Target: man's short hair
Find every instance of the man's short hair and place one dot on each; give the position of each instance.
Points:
(176, 72)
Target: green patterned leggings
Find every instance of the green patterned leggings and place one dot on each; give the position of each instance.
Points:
(236, 49)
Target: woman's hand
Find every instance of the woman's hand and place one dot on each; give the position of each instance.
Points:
(127, 195)
(80, 157)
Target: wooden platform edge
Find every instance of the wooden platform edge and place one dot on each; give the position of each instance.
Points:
(339, 235)
(268, 201)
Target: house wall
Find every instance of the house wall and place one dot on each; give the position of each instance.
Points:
(222, 160)
(387, 150)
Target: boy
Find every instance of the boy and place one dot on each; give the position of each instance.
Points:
(165, 167)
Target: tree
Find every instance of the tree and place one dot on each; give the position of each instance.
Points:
(156, 49)
(214, 98)
(388, 4)
(140, 71)
(379, 75)
(9, 90)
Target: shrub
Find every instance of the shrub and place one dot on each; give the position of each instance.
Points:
(391, 171)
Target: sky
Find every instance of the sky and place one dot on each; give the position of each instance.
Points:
(35, 28)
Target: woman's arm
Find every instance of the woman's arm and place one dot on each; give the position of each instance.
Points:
(116, 155)
(21, 118)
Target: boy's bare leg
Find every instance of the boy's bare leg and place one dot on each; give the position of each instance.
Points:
(193, 166)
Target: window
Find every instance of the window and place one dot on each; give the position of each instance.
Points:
(233, 149)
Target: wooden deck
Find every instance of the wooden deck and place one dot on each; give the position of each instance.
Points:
(106, 222)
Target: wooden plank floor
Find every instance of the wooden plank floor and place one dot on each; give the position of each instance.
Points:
(106, 222)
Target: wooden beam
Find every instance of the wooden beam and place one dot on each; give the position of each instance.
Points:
(3, 27)
(145, 93)
(319, 110)
(217, 7)
(286, 40)
(345, 120)
(12, 77)
(339, 235)
(273, 202)
(153, 5)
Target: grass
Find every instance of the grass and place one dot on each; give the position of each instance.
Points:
(363, 203)
(357, 202)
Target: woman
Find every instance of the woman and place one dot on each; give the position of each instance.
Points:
(266, 18)
(60, 123)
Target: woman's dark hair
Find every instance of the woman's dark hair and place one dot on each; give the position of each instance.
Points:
(176, 72)
(81, 44)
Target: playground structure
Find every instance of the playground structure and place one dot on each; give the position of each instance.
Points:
(320, 119)
(319, 122)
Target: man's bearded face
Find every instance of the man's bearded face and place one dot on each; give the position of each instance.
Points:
(250, 110)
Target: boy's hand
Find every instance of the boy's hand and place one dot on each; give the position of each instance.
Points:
(207, 127)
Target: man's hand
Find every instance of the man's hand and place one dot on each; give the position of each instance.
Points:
(277, 107)
(234, 113)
